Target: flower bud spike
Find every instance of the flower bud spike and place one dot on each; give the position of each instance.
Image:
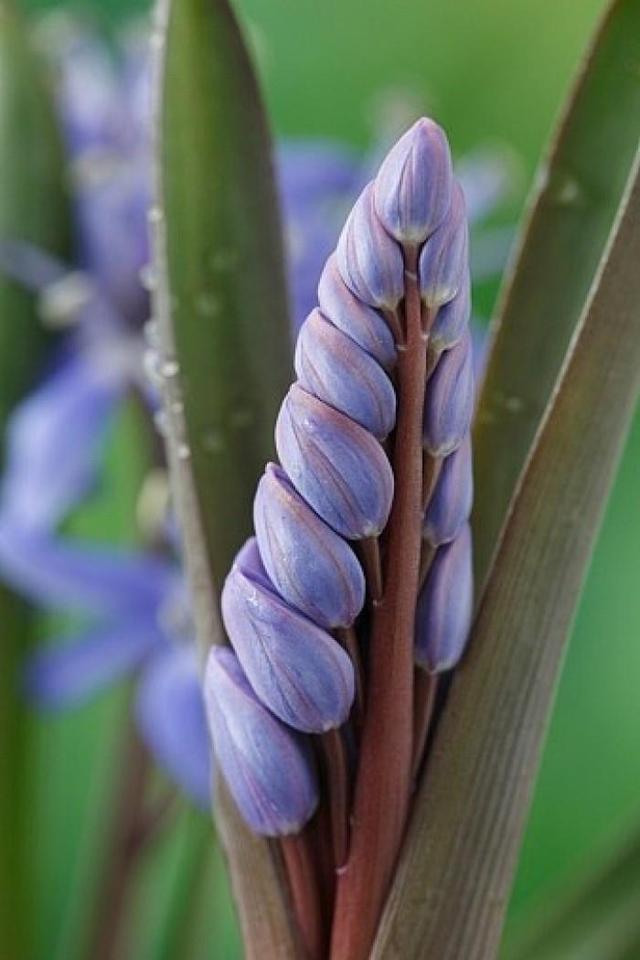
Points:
(362, 323)
(443, 615)
(311, 567)
(449, 400)
(267, 766)
(336, 465)
(299, 671)
(450, 505)
(331, 366)
(369, 260)
(413, 186)
(444, 257)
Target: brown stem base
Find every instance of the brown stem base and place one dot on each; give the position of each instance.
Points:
(298, 860)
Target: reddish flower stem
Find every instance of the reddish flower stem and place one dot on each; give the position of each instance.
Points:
(369, 551)
(348, 638)
(305, 896)
(383, 784)
(337, 768)
(426, 689)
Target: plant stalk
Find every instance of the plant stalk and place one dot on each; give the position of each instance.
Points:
(383, 784)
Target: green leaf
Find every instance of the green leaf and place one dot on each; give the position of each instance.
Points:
(578, 192)
(450, 894)
(221, 305)
(34, 207)
(596, 919)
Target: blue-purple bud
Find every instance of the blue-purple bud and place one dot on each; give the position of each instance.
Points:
(267, 766)
(369, 260)
(331, 366)
(362, 323)
(300, 672)
(413, 185)
(450, 505)
(313, 568)
(443, 615)
(449, 400)
(336, 465)
(445, 256)
(452, 319)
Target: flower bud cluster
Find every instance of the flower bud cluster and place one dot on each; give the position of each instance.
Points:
(299, 580)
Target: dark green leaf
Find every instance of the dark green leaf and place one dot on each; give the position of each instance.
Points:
(33, 206)
(577, 195)
(221, 304)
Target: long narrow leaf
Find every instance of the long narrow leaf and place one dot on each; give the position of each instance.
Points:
(577, 194)
(451, 893)
(34, 207)
(597, 919)
(221, 304)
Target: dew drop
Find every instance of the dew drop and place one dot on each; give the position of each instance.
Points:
(207, 305)
(213, 441)
(151, 366)
(161, 422)
(169, 368)
(148, 277)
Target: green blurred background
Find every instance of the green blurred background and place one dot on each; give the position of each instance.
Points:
(492, 71)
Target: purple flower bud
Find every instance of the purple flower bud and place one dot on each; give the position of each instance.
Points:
(300, 672)
(443, 615)
(337, 466)
(450, 506)
(307, 562)
(449, 400)
(445, 256)
(413, 185)
(452, 319)
(360, 322)
(267, 766)
(332, 367)
(369, 260)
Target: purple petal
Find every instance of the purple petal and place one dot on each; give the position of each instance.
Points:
(362, 323)
(54, 440)
(60, 574)
(171, 717)
(369, 260)
(73, 671)
(313, 568)
(449, 400)
(337, 466)
(331, 366)
(452, 319)
(267, 766)
(444, 258)
(450, 505)
(413, 185)
(297, 670)
(443, 616)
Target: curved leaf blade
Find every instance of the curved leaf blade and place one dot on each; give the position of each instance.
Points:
(34, 207)
(596, 918)
(221, 306)
(578, 192)
(463, 841)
